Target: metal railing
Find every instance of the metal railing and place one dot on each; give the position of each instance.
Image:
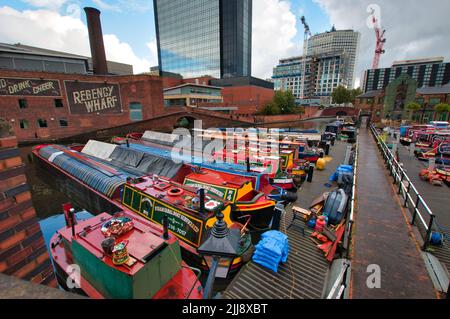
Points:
(339, 286)
(422, 216)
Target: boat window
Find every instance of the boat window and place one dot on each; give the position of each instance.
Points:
(146, 207)
(136, 201)
(127, 196)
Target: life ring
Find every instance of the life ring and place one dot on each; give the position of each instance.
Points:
(176, 191)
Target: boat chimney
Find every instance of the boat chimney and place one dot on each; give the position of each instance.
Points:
(201, 194)
(247, 161)
(73, 221)
(165, 221)
(96, 41)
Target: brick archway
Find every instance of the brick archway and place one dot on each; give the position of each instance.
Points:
(186, 121)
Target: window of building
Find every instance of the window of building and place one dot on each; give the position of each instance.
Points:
(24, 124)
(59, 103)
(63, 123)
(23, 103)
(42, 123)
(135, 111)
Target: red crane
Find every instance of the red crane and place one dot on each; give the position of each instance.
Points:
(380, 41)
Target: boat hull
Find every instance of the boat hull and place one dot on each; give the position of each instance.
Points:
(96, 203)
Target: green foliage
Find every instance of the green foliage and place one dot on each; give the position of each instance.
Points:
(355, 93)
(413, 106)
(270, 109)
(341, 95)
(283, 102)
(442, 108)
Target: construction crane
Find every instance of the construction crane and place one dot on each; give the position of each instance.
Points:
(380, 41)
(305, 54)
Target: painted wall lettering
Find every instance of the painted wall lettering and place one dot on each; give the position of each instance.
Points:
(29, 87)
(90, 97)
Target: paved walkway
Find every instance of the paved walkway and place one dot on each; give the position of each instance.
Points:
(382, 235)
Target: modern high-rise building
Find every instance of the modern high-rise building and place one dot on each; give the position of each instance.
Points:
(324, 72)
(332, 41)
(427, 72)
(204, 37)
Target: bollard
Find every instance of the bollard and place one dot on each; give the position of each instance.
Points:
(165, 221)
(412, 146)
(431, 162)
(327, 149)
(277, 211)
(310, 174)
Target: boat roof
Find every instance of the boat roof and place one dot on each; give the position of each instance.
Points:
(159, 189)
(218, 178)
(144, 242)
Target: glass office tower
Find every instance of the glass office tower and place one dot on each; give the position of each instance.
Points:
(204, 37)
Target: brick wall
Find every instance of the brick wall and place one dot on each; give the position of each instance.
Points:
(143, 89)
(23, 252)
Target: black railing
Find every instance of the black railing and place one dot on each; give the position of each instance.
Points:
(422, 216)
(339, 286)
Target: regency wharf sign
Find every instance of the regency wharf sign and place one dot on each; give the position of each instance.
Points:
(29, 87)
(91, 97)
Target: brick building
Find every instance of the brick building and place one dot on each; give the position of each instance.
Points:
(43, 106)
(391, 102)
(23, 253)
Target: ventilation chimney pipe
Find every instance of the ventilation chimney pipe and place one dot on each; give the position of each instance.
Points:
(96, 41)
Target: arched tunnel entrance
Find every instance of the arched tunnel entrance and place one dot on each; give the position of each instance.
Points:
(185, 122)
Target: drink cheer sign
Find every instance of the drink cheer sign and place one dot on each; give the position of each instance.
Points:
(92, 97)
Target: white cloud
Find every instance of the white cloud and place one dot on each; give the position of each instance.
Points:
(274, 30)
(102, 5)
(414, 29)
(67, 33)
(49, 4)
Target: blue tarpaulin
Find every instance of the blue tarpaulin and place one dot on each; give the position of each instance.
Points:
(340, 172)
(272, 249)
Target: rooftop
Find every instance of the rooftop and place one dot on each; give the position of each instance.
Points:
(445, 89)
(419, 61)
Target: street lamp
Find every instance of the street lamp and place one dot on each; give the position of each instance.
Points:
(219, 250)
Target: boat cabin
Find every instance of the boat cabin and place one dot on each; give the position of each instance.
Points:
(149, 266)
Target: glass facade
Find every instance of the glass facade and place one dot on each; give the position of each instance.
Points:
(236, 37)
(204, 37)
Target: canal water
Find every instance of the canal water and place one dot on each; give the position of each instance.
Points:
(48, 198)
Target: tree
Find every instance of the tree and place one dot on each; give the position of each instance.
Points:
(413, 107)
(283, 102)
(341, 95)
(442, 108)
(270, 109)
(355, 93)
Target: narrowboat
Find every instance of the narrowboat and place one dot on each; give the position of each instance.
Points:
(262, 180)
(121, 257)
(104, 186)
(236, 189)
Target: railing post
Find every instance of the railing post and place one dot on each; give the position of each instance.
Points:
(427, 238)
(406, 194)
(415, 209)
(401, 182)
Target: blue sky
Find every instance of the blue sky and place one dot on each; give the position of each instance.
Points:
(413, 30)
(132, 22)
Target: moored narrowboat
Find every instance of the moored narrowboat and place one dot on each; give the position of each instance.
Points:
(112, 186)
(121, 257)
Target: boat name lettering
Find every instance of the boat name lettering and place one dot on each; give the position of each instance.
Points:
(183, 218)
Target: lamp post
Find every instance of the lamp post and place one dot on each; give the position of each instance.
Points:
(219, 250)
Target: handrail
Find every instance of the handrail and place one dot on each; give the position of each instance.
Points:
(406, 188)
(339, 282)
(339, 285)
